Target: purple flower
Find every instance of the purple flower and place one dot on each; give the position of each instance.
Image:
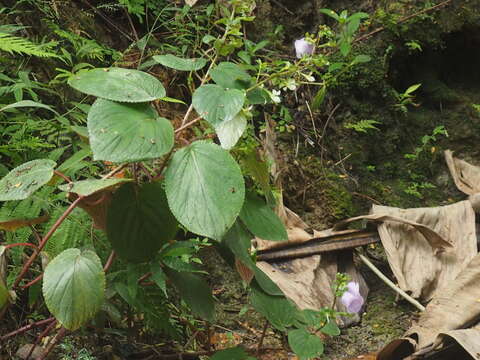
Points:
(303, 47)
(352, 299)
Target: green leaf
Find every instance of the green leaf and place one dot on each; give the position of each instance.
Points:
(229, 132)
(360, 59)
(230, 76)
(159, 277)
(172, 100)
(74, 287)
(28, 103)
(81, 131)
(90, 187)
(178, 63)
(139, 221)
(216, 104)
(117, 84)
(331, 328)
(330, 13)
(3, 295)
(127, 132)
(304, 344)
(205, 189)
(258, 96)
(238, 241)
(412, 88)
(25, 179)
(319, 98)
(279, 311)
(195, 292)
(261, 220)
(236, 353)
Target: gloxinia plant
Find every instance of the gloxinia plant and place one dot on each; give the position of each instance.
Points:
(352, 299)
(303, 47)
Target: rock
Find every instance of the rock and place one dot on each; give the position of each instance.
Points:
(24, 350)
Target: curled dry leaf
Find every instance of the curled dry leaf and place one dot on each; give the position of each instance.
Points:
(245, 273)
(14, 224)
(96, 206)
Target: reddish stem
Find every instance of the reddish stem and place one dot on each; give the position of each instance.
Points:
(40, 337)
(9, 246)
(34, 281)
(27, 327)
(60, 335)
(63, 176)
(109, 262)
(45, 239)
(144, 277)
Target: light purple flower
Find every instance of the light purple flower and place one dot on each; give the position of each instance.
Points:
(352, 299)
(303, 47)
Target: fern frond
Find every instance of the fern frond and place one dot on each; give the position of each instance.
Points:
(72, 233)
(15, 44)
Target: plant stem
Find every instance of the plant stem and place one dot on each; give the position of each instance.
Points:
(33, 282)
(27, 327)
(54, 227)
(40, 337)
(391, 284)
(260, 342)
(60, 335)
(109, 262)
(9, 246)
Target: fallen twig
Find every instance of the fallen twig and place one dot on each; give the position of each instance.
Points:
(391, 284)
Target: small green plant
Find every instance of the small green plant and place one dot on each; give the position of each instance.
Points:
(426, 141)
(363, 126)
(413, 45)
(406, 98)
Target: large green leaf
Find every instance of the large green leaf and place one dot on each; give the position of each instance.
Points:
(304, 344)
(216, 104)
(74, 287)
(28, 103)
(195, 292)
(238, 241)
(279, 311)
(117, 84)
(127, 132)
(25, 179)
(178, 63)
(139, 221)
(90, 187)
(205, 188)
(236, 353)
(261, 220)
(229, 132)
(230, 76)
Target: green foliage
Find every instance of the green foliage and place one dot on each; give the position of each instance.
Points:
(363, 126)
(25, 179)
(216, 104)
(139, 221)
(260, 219)
(236, 353)
(195, 292)
(178, 63)
(117, 84)
(167, 179)
(405, 98)
(121, 132)
(74, 287)
(14, 44)
(205, 189)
